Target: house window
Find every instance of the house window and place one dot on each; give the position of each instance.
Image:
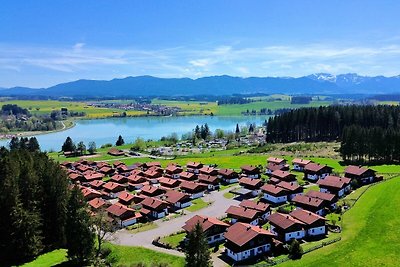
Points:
(312, 231)
(298, 233)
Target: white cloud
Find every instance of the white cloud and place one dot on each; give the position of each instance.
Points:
(83, 61)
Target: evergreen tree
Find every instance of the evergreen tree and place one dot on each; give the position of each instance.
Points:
(33, 145)
(68, 145)
(197, 252)
(237, 131)
(80, 238)
(120, 141)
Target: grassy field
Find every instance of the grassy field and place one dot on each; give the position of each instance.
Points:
(47, 106)
(370, 232)
(190, 107)
(127, 256)
(49, 259)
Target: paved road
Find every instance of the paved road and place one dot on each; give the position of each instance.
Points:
(144, 239)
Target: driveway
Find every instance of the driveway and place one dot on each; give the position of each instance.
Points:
(216, 209)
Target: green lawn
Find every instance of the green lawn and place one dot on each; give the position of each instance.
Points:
(370, 232)
(141, 227)
(173, 240)
(197, 204)
(229, 195)
(127, 256)
(49, 259)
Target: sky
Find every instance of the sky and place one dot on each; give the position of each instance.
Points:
(46, 42)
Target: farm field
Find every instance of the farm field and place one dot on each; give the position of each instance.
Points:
(49, 259)
(47, 106)
(369, 235)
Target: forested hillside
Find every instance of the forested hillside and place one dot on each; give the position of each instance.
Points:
(367, 132)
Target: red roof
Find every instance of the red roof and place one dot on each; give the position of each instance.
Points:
(194, 165)
(208, 179)
(187, 175)
(242, 233)
(276, 160)
(301, 162)
(321, 195)
(242, 212)
(173, 196)
(168, 181)
(119, 209)
(172, 168)
(227, 172)
(260, 206)
(96, 183)
(250, 181)
(205, 222)
(306, 216)
(281, 174)
(273, 189)
(191, 185)
(207, 170)
(334, 181)
(249, 168)
(126, 196)
(152, 202)
(283, 221)
(111, 186)
(309, 201)
(315, 167)
(149, 189)
(90, 191)
(290, 186)
(356, 170)
(96, 203)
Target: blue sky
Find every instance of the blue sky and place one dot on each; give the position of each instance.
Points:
(43, 43)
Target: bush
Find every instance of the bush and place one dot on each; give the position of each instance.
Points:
(106, 145)
(295, 250)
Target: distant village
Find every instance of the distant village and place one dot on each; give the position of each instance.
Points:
(144, 192)
(161, 110)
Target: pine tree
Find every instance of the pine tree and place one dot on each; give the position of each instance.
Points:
(33, 145)
(197, 252)
(120, 141)
(68, 145)
(81, 148)
(80, 238)
(295, 250)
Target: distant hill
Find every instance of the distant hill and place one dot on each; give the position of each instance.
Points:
(320, 83)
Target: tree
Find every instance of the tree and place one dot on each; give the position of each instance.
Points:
(92, 147)
(68, 145)
(219, 133)
(33, 145)
(251, 128)
(101, 226)
(80, 238)
(81, 148)
(120, 141)
(295, 250)
(196, 250)
(237, 131)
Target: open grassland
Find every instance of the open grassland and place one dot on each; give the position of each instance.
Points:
(370, 232)
(41, 107)
(52, 258)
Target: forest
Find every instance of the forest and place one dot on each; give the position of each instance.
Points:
(366, 132)
(38, 211)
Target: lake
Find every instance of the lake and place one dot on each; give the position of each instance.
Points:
(104, 131)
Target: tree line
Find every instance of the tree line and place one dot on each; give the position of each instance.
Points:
(38, 211)
(366, 132)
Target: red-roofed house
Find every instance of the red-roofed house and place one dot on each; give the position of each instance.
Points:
(251, 171)
(300, 164)
(314, 171)
(335, 185)
(213, 228)
(228, 176)
(123, 215)
(253, 184)
(211, 181)
(154, 208)
(151, 191)
(125, 198)
(113, 188)
(313, 204)
(313, 223)
(284, 176)
(243, 214)
(194, 167)
(208, 171)
(177, 200)
(96, 203)
(169, 182)
(361, 174)
(285, 227)
(173, 171)
(244, 241)
(277, 161)
(262, 207)
(188, 176)
(90, 193)
(195, 190)
(274, 194)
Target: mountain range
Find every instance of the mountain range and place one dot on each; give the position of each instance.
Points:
(319, 83)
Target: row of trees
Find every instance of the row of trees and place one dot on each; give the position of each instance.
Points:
(375, 144)
(79, 148)
(38, 212)
(327, 123)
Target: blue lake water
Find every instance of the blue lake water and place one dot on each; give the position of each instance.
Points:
(104, 131)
